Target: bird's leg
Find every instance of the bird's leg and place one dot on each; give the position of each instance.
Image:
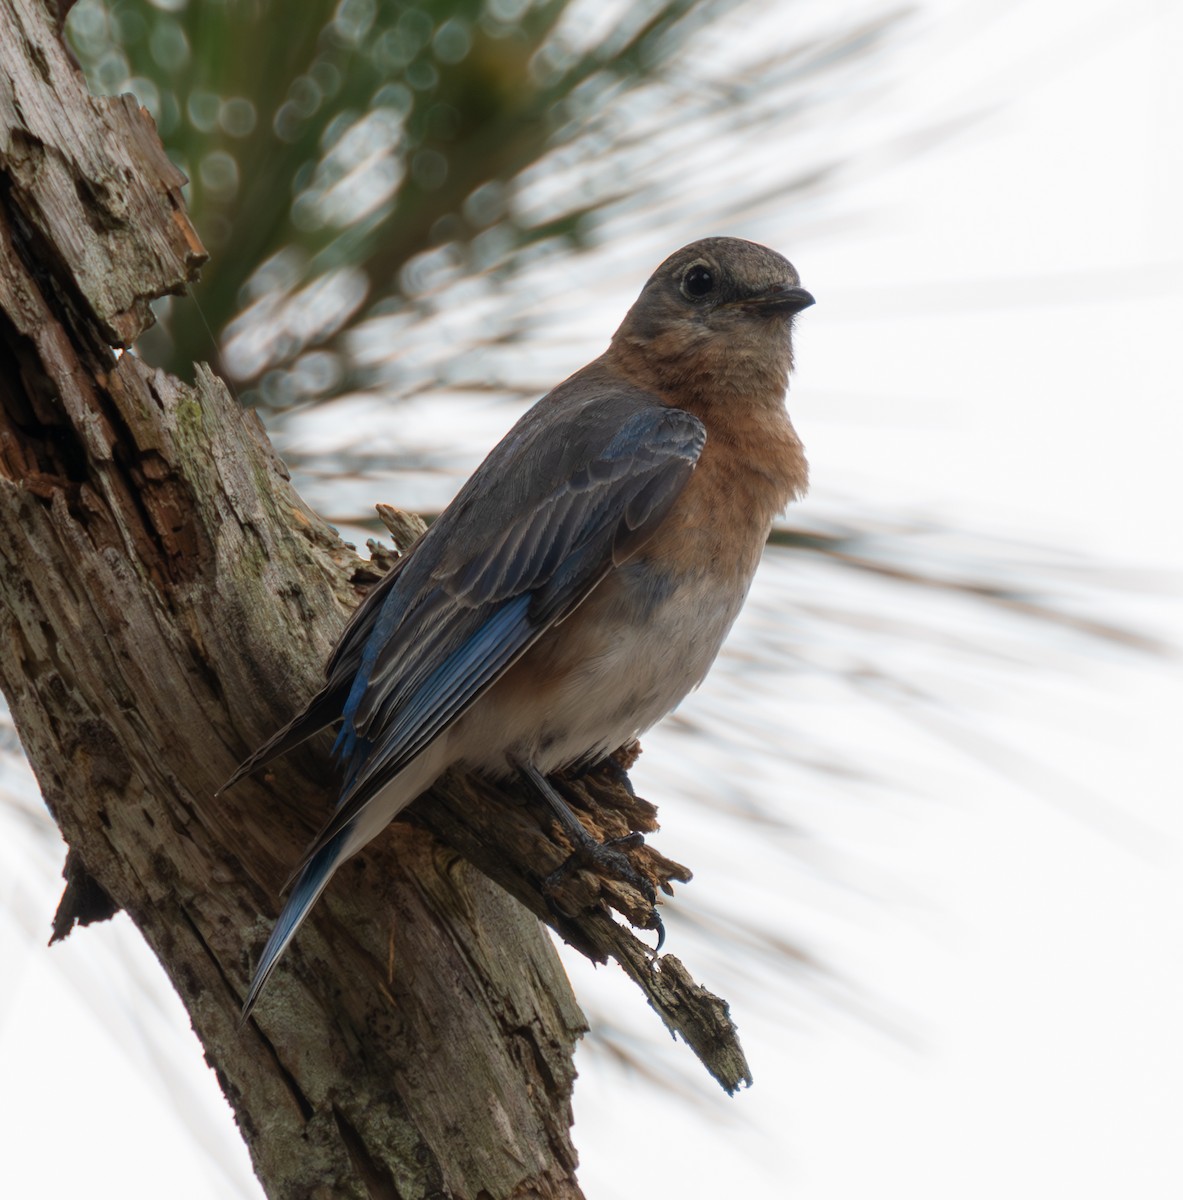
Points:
(586, 851)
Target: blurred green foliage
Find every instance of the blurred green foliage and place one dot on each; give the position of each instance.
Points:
(329, 143)
(334, 147)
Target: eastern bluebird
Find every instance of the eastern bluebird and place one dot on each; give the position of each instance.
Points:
(584, 578)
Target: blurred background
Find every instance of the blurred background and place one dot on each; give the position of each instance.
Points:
(930, 791)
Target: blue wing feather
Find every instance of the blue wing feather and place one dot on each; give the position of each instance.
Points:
(467, 670)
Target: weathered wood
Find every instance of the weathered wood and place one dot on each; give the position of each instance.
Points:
(166, 600)
(419, 986)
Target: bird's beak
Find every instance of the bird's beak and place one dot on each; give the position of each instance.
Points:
(782, 299)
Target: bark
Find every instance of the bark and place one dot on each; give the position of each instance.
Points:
(166, 600)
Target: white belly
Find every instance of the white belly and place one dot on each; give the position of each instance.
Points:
(620, 667)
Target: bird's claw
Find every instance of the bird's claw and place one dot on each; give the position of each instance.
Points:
(606, 858)
(630, 841)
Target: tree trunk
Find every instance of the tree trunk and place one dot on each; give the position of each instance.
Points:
(167, 600)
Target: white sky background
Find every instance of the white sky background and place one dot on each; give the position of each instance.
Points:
(993, 349)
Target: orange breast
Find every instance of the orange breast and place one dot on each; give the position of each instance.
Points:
(753, 464)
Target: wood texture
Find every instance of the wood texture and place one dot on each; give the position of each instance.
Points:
(166, 600)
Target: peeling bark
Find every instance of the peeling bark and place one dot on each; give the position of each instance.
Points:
(166, 600)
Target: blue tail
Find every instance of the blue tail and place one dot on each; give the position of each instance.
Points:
(308, 886)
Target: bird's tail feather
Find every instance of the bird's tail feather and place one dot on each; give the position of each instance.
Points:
(323, 709)
(307, 888)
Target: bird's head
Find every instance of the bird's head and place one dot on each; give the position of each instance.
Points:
(719, 312)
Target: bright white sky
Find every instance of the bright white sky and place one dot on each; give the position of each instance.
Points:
(990, 348)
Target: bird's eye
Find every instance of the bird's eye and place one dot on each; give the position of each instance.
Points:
(698, 282)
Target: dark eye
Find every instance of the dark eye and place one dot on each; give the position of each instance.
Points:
(698, 282)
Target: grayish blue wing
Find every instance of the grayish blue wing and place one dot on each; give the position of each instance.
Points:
(576, 487)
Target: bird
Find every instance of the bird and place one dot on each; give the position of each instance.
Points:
(583, 580)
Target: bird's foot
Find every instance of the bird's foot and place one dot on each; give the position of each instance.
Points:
(606, 859)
